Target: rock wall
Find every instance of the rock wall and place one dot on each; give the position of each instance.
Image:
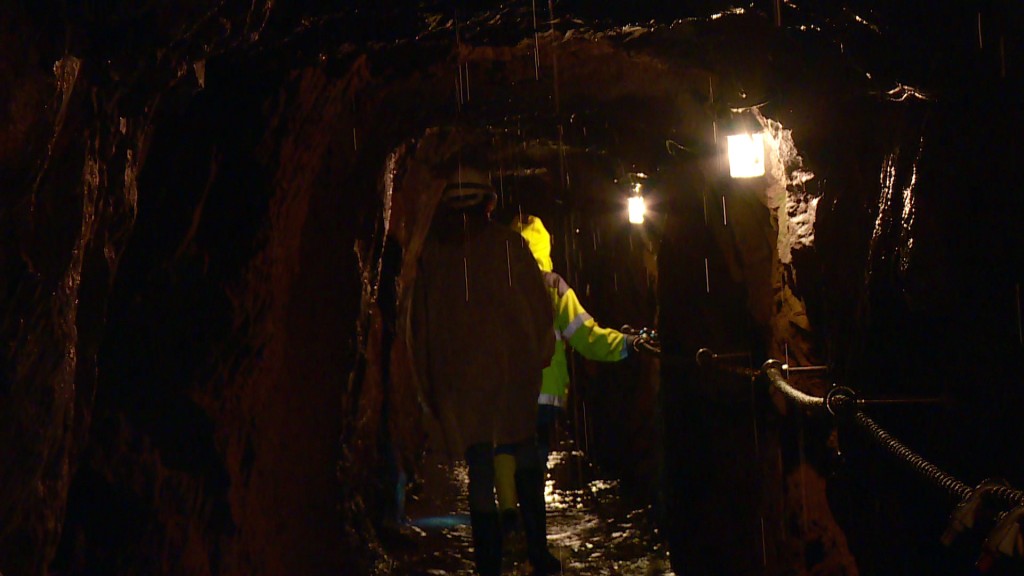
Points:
(181, 289)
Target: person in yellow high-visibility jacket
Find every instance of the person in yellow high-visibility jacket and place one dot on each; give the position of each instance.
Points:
(573, 325)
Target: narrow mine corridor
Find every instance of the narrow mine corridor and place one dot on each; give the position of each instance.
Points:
(217, 215)
(592, 527)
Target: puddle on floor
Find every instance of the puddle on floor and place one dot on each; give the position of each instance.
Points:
(591, 527)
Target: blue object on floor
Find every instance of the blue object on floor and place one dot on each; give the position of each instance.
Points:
(440, 522)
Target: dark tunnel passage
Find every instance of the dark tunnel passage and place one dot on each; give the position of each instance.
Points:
(213, 214)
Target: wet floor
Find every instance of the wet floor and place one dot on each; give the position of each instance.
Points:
(592, 527)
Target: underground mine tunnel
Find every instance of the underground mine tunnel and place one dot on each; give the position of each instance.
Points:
(213, 211)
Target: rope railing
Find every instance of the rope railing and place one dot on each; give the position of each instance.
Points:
(773, 370)
(843, 402)
(840, 401)
(930, 471)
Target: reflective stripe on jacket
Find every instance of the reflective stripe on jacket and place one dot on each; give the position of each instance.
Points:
(572, 322)
(574, 325)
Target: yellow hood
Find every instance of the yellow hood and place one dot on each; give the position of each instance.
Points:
(537, 238)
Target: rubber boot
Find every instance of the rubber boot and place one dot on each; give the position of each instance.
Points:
(510, 523)
(486, 543)
(530, 485)
(504, 481)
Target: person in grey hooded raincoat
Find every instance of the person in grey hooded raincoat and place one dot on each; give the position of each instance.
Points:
(482, 334)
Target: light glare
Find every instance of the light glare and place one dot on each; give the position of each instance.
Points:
(746, 155)
(637, 209)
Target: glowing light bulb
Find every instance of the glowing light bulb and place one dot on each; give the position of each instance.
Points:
(746, 155)
(637, 209)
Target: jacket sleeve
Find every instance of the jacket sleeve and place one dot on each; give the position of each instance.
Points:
(583, 333)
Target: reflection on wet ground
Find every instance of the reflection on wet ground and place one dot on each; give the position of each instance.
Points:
(591, 527)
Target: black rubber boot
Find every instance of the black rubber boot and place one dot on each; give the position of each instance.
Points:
(530, 485)
(486, 542)
(510, 523)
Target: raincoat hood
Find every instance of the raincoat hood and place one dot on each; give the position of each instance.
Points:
(467, 187)
(538, 239)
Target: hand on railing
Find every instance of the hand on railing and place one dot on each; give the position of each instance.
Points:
(645, 339)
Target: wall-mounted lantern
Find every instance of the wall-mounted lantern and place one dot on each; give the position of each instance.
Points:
(637, 205)
(746, 155)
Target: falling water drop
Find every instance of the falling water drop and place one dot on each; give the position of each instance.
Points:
(536, 43)
(1002, 57)
(981, 44)
(462, 97)
(586, 427)
(802, 441)
(465, 232)
(707, 276)
(787, 360)
(764, 545)
(355, 141)
(501, 182)
(467, 81)
(458, 64)
(561, 141)
(554, 59)
(725, 214)
(508, 262)
(1020, 326)
(753, 414)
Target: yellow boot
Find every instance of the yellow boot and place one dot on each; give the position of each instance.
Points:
(505, 487)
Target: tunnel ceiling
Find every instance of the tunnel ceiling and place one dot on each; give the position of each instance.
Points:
(870, 47)
(934, 47)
